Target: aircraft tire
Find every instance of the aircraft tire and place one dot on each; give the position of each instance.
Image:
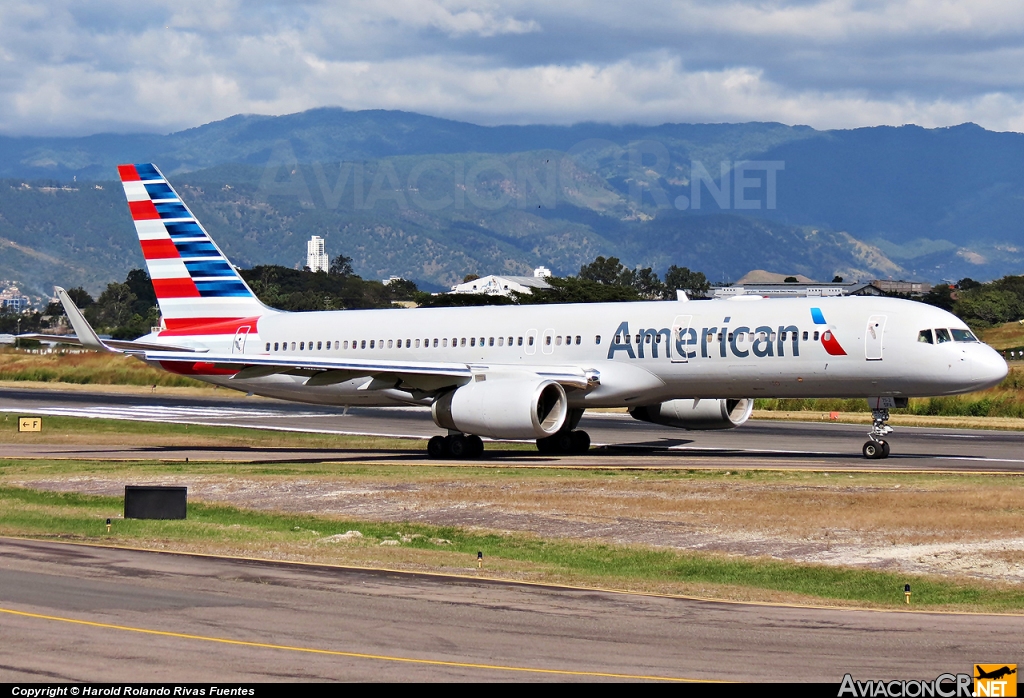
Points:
(436, 447)
(580, 441)
(872, 450)
(885, 449)
(545, 446)
(563, 442)
(456, 446)
(476, 447)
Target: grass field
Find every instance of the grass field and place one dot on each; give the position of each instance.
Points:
(223, 529)
(89, 368)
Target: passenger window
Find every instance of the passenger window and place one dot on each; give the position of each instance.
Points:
(647, 339)
(362, 344)
(618, 339)
(531, 340)
(597, 339)
(389, 344)
(510, 341)
(337, 344)
(925, 336)
(579, 340)
(547, 340)
(519, 342)
(302, 346)
(805, 336)
(435, 343)
(472, 341)
(268, 346)
(371, 343)
(501, 341)
(346, 344)
(490, 342)
(558, 340)
(942, 335)
(417, 344)
(319, 345)
(963, 336)
(815, 335)
(275, 346)
(463, 342)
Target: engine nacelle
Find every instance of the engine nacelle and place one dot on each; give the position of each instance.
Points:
(702, 415)
(503, 408)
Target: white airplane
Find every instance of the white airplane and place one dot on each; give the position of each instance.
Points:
(529, 372)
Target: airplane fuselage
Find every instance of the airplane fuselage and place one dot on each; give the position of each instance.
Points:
(641, 353)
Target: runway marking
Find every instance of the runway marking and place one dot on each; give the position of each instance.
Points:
(356, 655)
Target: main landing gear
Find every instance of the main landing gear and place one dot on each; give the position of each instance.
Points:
(565, 442)
(457, 446)
(878, 447)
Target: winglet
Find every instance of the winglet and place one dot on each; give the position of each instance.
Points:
(83, 330)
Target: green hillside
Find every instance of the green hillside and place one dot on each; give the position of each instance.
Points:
(507, 221)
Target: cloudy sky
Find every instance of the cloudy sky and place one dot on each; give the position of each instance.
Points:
(73, 67)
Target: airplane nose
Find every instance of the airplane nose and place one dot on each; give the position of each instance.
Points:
(988, 368)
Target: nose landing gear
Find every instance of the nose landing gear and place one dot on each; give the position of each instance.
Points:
(878, 447)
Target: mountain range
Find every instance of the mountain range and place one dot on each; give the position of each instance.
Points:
(432, 199)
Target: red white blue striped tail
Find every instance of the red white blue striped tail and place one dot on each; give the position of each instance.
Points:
(194, 282)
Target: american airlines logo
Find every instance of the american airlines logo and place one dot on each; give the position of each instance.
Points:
(722, 341)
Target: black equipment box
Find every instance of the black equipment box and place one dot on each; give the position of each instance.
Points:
(155, 502)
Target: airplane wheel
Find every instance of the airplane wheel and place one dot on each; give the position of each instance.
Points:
(545, 446)
(580, 441)
(562, 442)
(456, 446)
(435, 447)
(885, 449)
(873, 450)
(476, 446)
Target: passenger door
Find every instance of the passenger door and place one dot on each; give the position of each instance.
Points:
(238, 345)
(873, 338)
(680, 327)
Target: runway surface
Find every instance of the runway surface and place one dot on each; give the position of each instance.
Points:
(80, 613)
(768, 444)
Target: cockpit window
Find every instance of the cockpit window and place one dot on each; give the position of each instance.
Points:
(942, 335)
(963, 336)
(925, 336)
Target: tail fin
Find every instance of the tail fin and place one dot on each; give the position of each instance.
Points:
(194, 282)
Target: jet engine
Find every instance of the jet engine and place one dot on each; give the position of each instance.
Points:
(701, 415)
(503, 408)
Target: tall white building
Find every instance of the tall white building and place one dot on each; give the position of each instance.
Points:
(316, 255)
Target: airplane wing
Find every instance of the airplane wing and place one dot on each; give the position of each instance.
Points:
(416, 375)
(119, 344)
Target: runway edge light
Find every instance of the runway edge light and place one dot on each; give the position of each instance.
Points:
(906, 592)
(479, 560)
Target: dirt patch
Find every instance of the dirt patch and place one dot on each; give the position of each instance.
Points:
(945, 526)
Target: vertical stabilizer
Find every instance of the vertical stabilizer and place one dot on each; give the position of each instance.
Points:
(194, 282)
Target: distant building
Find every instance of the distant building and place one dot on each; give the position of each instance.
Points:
(13, 301)
(799, 290)
(913, 288)
(390, 279)
(495, 285)
(542, 273)
(316, 255)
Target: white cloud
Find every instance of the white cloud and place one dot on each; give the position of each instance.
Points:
(79, 67)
